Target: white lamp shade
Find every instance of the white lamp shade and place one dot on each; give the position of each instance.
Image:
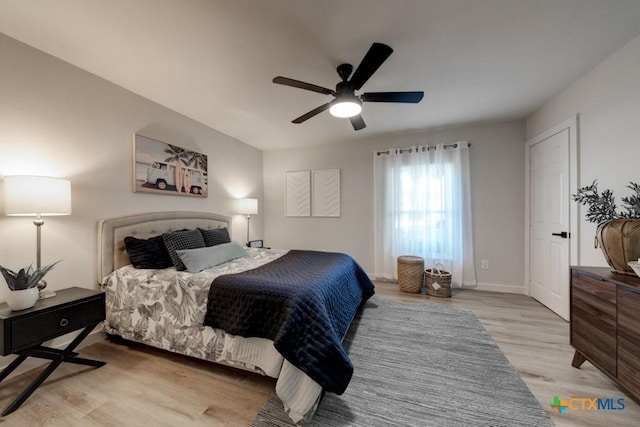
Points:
(36, 195)
(248, 206)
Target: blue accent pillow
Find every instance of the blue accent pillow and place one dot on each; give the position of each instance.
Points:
(183, 239)
(147, 253)
(200, 259)
(216, 236)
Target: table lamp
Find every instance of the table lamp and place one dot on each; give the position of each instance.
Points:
(248, 207)
(27, 195)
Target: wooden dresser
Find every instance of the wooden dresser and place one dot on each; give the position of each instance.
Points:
(605, 324)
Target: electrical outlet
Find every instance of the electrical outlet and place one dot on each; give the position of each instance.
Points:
(485, 264)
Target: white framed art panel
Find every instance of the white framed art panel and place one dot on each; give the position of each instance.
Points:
(298, 193)
(325, 192)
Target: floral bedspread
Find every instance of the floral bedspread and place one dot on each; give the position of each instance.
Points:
(166, 308)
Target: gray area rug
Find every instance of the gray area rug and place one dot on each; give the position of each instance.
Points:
(421, 364)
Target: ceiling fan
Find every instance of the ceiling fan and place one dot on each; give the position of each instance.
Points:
(346, 103)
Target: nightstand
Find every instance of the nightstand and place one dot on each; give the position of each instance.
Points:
(23, 332)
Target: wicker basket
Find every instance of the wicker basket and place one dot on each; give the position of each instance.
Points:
(438, 282)
(410, 276)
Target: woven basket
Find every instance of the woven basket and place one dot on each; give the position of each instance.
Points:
(438, 282)
(410, 275)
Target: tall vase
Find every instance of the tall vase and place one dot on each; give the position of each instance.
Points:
(22, 299)
(619, 240)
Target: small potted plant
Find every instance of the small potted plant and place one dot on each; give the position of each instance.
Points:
(23, 285)
(618, 232)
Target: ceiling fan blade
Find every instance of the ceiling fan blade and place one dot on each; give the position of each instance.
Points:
(377, 54)
(302, 85)
(407, 97)
(357, 122)
(311, 113)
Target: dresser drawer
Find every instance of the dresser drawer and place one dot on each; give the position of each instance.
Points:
(36, 329)
(594, 320)
(629, 339)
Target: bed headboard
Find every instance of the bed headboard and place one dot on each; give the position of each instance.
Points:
(111, 232)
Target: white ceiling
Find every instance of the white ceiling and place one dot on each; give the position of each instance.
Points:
(213, 60)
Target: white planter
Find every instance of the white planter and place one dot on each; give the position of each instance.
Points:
(22, 299)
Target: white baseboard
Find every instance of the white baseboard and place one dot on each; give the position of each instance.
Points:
(490, 287)
(32, 362)
(494, 287)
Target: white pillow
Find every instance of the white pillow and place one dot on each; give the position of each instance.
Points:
(201, 258)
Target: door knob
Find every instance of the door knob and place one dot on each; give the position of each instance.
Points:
(563, 234)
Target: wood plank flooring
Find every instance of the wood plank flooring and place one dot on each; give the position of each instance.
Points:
(142, 386)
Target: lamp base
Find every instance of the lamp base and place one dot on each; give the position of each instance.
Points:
(46, 294)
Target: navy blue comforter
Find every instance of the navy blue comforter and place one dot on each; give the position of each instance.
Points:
(304, 302)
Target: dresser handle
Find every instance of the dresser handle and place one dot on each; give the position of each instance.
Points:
(64, 322)
(592, 276)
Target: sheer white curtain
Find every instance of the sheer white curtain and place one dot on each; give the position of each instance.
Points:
(422, 207)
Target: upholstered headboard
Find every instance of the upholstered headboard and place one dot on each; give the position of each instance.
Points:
(111, 232)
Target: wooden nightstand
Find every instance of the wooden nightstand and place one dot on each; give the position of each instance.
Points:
(23, 332)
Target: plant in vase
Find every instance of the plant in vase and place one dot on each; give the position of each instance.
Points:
(23, 285)
(618, 232)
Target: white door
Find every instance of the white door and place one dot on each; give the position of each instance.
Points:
(549, 222)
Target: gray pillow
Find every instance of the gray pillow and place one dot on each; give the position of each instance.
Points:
(183, 239)
(202, 258)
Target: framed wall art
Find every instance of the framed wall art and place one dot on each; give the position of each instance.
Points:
(298, 193)
(312, 193)
(325, 192)
(162, 168)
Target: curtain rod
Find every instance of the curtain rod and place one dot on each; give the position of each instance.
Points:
(424, 148)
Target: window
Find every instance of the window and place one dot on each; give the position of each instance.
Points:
(423, 212)
(422, 207)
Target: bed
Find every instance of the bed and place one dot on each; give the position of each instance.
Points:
(168, 309)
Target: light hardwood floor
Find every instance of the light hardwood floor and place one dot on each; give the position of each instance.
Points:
(141, 386)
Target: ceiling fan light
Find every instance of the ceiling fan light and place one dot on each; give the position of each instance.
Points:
(347, 107)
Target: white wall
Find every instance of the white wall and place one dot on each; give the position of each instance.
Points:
(607, 100)
(497, 162)
(58, 120)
